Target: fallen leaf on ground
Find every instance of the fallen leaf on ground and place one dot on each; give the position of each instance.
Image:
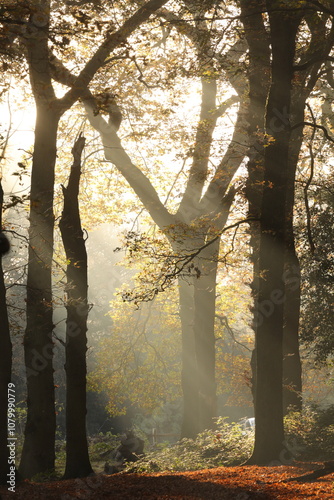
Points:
(222, 483)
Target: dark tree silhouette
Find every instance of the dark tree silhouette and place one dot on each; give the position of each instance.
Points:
(77, 459)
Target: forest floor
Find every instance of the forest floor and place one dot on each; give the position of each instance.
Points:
(222, 483)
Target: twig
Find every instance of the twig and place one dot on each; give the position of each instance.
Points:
(315, 126)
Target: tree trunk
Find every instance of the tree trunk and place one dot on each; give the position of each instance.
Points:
(189, 375)
(38, 452)
(5, 370)
(197, 312)
(259, 83)
(204, 330)
(269, 432)
(292, 368)
(77, 458)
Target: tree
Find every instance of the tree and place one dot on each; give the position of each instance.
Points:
(77, 459)
(276, 267)
(38, 450)
(317, 273)
(269, 330)
(200, 216)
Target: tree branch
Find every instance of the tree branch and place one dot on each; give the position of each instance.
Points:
(115, 153)
(112, 41)
(321, 7)
(307, 205)
(315, 126)
(212, 199)
(175, 266)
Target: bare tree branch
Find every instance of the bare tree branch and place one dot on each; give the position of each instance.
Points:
(315, 126)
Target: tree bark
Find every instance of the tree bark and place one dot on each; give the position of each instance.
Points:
(204, 331)
(77, 458)
(292, 368)
(259, 84)
(189, 375)
(197, 313)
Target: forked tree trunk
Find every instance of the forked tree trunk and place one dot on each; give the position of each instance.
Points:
(197, 377)
(77, 458)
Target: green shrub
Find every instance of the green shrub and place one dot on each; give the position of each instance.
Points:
(226, 445)
(47, 476)
(310, 433)
(102, 444)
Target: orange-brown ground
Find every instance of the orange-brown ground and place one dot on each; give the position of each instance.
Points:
(224, 483)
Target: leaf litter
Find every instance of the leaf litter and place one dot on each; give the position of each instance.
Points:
(222, 483)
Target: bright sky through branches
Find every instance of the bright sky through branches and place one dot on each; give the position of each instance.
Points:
(17, 124)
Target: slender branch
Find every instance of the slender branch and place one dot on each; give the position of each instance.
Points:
(175, 181)
(315, 126)
(307, 205)
(224, 321)
(307, 64)
(307, 185)
(177, 267)
(322, 7)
